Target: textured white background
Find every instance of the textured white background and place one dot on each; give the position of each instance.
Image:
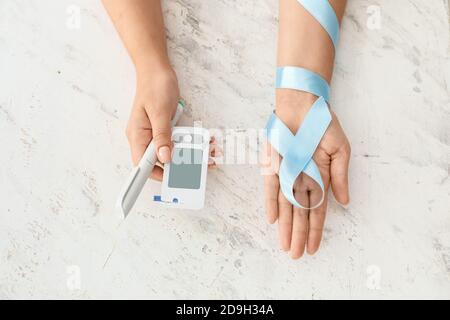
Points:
(65, 95)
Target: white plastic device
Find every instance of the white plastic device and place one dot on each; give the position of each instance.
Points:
(184, 179)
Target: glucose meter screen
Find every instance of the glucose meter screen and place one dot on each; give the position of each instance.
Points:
(186, 168)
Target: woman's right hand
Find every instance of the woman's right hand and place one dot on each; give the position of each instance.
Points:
(155, 103)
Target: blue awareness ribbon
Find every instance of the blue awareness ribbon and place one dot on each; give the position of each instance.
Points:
(297, 150)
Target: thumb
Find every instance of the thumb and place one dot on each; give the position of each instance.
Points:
(162, 135)
(339, 175)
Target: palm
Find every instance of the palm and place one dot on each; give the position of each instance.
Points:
(302, 228)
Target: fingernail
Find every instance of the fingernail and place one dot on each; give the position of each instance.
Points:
(164, 154)
(345, 206)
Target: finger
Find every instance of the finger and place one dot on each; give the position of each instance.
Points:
(138, 133)
(339, 175)
(299, 227)
(162, 133)
(316, 221)
(301, 186)
(271, 183)
(215, 150)
(157, 173)
(212, 163)
(284, 221)
(270, 159)
(271, 188)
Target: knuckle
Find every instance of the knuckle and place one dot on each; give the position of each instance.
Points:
(128, 132)
(271, 198)
(157, 110)
(160, 119)
(272, 182)
(316, 227)
(280, 198)
(348, 149)
(161, 135)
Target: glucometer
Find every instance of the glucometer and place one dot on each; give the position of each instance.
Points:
(140, 174)
(184, 179)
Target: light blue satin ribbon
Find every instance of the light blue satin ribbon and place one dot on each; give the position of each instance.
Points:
(323, 12)
(303, 80)
(297, 150)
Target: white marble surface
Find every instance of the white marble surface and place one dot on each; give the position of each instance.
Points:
(64, 100)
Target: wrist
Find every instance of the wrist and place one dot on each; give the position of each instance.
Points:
(161, 73)
(153, 65)
(292, 106)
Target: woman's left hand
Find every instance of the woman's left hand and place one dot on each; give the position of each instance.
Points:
(301, 229)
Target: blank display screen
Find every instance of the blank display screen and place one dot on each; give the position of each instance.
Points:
(186, 168)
